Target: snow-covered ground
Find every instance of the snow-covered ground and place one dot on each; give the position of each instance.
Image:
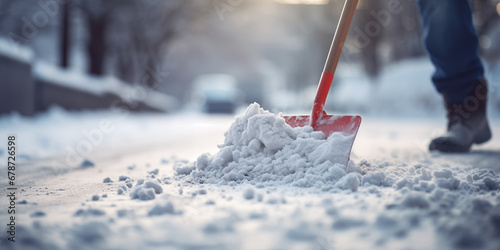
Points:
(120, 180)
(161, 195)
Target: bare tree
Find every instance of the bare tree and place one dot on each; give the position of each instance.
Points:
(98, 14)
(65, 35)
(372, 30)
(12, 15)
(5, 7)
(127, 37)
(142, 34)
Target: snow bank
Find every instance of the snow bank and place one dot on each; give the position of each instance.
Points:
(15, 51)
(101, 86)
(260, 147)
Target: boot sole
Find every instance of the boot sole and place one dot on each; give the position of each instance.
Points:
(482, 136)
(449, 147)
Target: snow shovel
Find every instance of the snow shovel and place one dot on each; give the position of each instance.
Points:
(319, 120)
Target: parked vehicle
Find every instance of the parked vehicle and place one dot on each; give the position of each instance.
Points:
(216, 93)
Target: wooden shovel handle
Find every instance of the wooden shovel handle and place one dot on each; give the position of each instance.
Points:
(333, 60)
(340, 36)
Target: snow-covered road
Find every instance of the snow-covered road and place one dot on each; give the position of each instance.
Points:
(406, 198)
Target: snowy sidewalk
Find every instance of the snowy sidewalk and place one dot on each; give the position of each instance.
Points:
(406, 198)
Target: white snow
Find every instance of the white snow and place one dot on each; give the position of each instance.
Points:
(159, 209)
(267, 186)
(15, 51)
(103, 85)
(146, 190)
(248, 194)
(260, 148)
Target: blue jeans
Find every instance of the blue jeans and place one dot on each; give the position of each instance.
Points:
(452, 43)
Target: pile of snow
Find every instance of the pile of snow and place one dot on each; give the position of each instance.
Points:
(260, 147)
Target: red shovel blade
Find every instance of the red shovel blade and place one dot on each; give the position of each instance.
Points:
(329, 124)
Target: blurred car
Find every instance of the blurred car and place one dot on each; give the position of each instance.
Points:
(216, 93)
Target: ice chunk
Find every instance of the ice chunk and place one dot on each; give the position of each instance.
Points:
(248, 194)
(490, 183)
(143, 193)
(350, 181)
(153, 184)
(87, 164)
(123, 178)
(375, 178)
(416, 200)
(167, 208)
(154, 172)
(345, 223)
(451, 183)
(445, 174)
(38, 214)
(90, 212)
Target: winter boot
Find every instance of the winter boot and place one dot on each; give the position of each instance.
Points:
(467, 122)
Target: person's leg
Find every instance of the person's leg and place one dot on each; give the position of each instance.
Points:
(452, 43)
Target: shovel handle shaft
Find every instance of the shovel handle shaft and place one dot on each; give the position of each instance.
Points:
(333, 59)
(321, 94)
(340, 35)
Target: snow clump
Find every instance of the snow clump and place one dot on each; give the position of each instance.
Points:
(146, 190)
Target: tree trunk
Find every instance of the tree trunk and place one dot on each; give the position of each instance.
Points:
(96, 47)
(369, 53)
(65, 35)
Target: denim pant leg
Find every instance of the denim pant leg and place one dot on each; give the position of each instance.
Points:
(452, 43)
